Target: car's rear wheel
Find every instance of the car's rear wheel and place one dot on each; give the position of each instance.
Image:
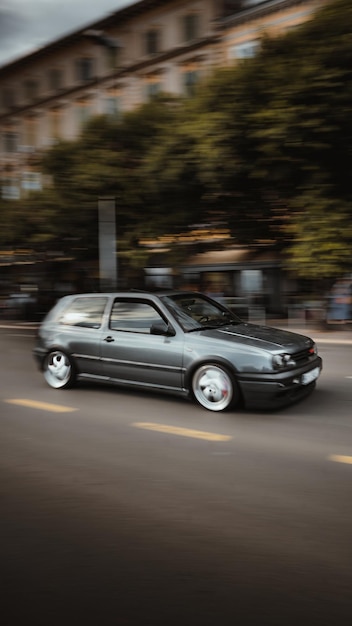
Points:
(214, 388)
(59, 370)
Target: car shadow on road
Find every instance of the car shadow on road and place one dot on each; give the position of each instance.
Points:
(315, 401)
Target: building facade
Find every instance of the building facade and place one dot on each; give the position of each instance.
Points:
(119, 62)
(242, 31)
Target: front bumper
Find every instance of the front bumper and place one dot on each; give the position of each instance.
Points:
(279, 389)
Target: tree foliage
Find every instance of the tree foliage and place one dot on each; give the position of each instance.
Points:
(264, 147)
(105, 161)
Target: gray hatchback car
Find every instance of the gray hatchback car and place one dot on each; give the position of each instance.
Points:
(177, 342)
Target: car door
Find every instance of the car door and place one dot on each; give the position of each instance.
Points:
(130, 353)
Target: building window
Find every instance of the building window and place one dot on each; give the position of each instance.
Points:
(113, 101)
(8, 98)
(245, 50)
(31, 181)
(112, 105)
(10, 140)
(30, 131)
(55, 121)
(84, 69)
(83, 112)
(152, 89)
(190, 27)
(251, 281)
(31, 89)
(152, 41)
(159, 277)
(55, 79)
(10, 190)
(190, 80)
(153, 85)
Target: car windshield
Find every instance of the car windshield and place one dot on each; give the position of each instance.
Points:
(197, 312)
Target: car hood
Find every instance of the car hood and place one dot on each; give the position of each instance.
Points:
(264, 337)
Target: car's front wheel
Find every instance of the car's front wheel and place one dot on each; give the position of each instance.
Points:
(59, 370)
(214, 388)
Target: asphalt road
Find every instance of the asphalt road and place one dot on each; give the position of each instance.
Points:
(121, 508)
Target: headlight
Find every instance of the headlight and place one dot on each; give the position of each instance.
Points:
(280, 361)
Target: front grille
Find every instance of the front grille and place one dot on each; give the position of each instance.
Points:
(303, 356)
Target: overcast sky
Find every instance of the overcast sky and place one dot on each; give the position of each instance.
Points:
(26, 25)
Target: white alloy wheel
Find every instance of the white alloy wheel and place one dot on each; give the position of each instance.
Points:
(58, 370)
(213, 387)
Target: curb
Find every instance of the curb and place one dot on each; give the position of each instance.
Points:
(22, 325)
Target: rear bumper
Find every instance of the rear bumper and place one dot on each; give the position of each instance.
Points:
(277, 390)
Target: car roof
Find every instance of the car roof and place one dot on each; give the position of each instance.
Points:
(131, 293)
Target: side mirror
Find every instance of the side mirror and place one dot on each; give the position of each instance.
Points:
(161, 328)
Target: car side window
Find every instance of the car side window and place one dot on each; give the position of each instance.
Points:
(136, 317)
(84, 312)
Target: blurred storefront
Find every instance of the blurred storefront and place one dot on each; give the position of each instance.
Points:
(244, 278)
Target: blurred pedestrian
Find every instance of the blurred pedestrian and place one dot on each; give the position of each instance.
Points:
(339, 302)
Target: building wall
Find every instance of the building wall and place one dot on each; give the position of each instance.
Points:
(50, 93)
(242, 33)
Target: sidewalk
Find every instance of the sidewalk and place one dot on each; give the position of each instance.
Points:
(334, 334)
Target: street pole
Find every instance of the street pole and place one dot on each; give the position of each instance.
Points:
(107, 218)
(107, 244)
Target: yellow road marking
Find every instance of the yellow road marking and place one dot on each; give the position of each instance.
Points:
(44, 406)
(182, 432)
(340, 458)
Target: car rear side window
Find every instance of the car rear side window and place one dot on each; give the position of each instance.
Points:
(137, 317)
(84, 312)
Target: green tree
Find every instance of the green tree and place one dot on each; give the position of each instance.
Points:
(277, 149)
(264, 148)
(322, 228)
(106, 161)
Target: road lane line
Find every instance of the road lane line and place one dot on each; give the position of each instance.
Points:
(44, 406)
(182, 432)
(340, 458)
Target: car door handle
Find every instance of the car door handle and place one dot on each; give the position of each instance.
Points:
(109, 339)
